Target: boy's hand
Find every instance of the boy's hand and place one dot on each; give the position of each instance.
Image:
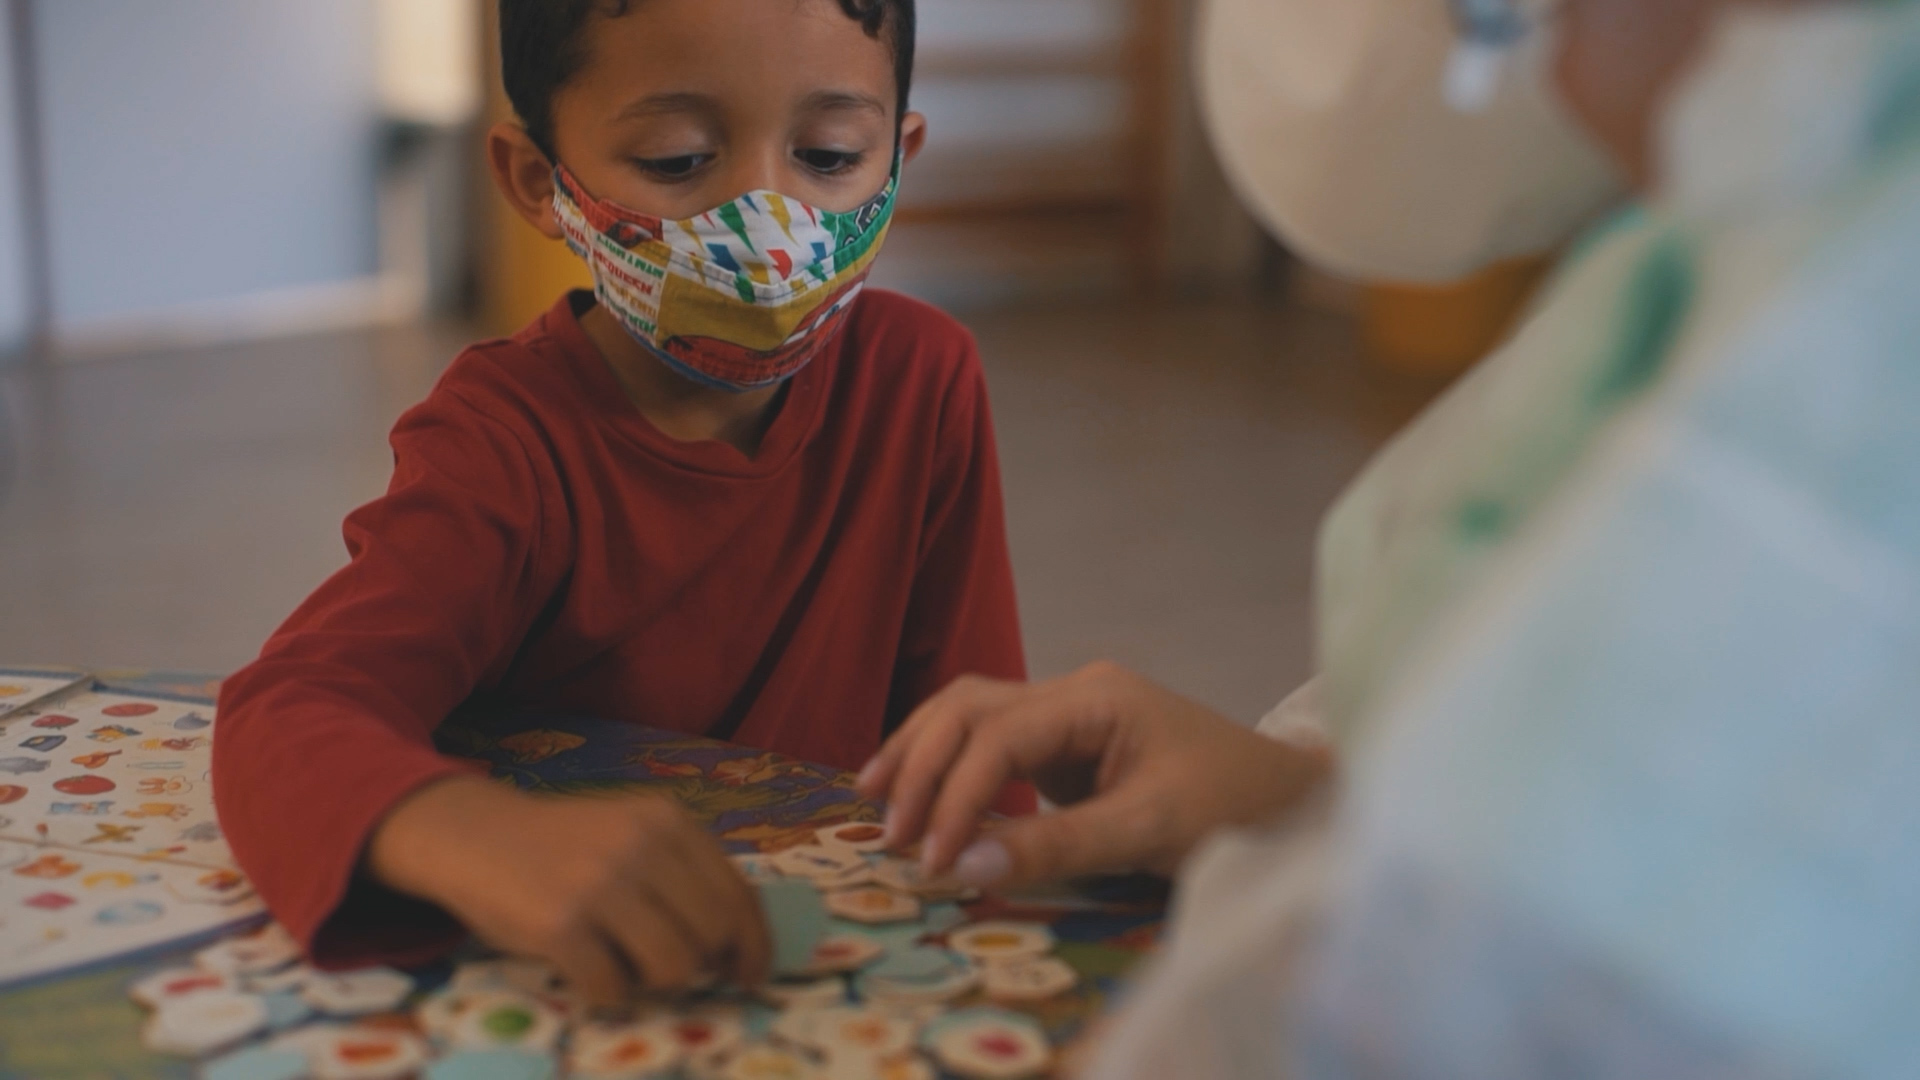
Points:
(619, 894)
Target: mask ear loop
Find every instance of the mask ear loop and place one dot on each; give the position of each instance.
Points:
(1488, 31)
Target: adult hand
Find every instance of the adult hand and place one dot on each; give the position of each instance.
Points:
(616, 893)
(1142, 774)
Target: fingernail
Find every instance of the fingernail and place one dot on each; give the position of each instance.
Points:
(985, 863)
(866, 773)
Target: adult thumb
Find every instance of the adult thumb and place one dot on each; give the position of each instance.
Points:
(1095, 837)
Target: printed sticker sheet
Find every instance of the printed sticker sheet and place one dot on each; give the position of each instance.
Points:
(108, 838)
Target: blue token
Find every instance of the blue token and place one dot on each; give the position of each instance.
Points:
(286, 1009)
(492, 1065)
(798, 919)
(258, 1063)
(919, 962)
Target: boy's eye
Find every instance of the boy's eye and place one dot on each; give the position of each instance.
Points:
(673, 168)
(828, 161)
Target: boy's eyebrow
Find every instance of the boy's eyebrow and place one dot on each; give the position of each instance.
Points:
(842, 100)
(664, 103)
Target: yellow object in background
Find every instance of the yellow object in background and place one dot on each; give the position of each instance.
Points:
(525, 272)
(521, 272)
(1442, 330)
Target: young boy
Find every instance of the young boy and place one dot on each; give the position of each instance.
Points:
(729, 494)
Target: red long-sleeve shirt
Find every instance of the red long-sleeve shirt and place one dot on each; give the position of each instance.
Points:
(542, 546)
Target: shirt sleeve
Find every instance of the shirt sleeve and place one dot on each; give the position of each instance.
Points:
(332, 725)
(962, 616)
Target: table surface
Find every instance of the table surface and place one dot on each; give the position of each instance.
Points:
(82, 1025)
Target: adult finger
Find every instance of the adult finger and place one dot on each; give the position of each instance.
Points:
(1054, 725)
(965, 694)
(654, 942)
(1111, 833)
(917, 781)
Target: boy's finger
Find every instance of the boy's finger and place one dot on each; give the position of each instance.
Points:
(710, 896)
(654, 942)
(748, 936)
(590, 967)
(753, 940)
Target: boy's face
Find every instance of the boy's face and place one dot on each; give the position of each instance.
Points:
(683, 105)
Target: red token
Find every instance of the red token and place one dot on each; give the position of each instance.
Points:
(84, 785)
(132, 708)
(51, 901)
(11, 793)
(55, 722)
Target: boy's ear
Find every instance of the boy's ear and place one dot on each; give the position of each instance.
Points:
(913, 135)
(524, 176)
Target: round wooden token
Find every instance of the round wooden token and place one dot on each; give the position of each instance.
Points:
(624, 1051)
(990, 1044)
(155, 991)
(761, 1062)
(844, 953)
(505, 1019)
(857, 835)
(872, 904)
(892, 990)
(1033, 979)
(998, 942)
(360, 1053)
(357, 993)
(874, 1032)
(439, 1013)
(197, 1024)
(258, 1063)
(815, 860)
(854, 1066)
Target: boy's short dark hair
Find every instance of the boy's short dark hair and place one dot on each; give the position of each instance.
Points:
(540, 49)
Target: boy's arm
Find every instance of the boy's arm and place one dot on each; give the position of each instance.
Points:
(962, 618)
(332, 727)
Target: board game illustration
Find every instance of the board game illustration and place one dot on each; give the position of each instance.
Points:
(108, 839)
(1070, 949)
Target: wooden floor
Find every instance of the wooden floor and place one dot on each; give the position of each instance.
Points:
(1165, 470)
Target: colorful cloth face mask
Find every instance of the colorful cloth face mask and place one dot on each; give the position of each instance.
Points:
(740, 297)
